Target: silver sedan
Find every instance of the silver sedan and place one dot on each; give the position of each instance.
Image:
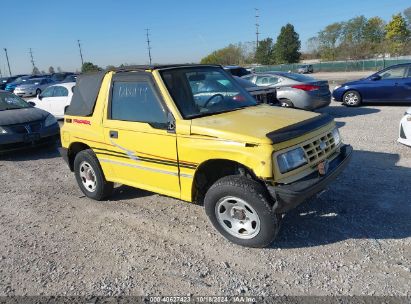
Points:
(295, 90)
(33, 87)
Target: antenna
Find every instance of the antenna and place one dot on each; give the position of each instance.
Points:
(32, 59)
(8, 63)
(257, 25)
(148, 45)
(81, 54)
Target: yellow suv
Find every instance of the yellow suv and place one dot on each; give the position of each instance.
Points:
(193, 133)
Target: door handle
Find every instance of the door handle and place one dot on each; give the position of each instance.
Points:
(113, 134)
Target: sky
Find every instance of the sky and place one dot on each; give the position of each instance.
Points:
(112, 32)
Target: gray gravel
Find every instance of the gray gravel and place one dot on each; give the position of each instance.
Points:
(353, 240)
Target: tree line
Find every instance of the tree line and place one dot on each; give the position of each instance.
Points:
(357, 38)
(362, 38)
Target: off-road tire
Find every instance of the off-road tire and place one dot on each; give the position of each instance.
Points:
(255, 195)
(103, 188)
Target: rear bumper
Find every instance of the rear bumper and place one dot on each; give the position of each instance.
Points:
(289, 196)
(319, 102)
(13, 142)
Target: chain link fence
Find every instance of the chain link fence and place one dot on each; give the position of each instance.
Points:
(340, 66)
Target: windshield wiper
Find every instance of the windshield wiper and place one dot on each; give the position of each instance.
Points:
(220, 112)
(10, 109)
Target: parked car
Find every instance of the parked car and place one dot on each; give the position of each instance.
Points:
(405, 129)
(248, 163)
(305, 69)
(32, 87)
(70, 78)
(18, 81)
(392, 84)
(237, 70)
(295, 90)
(261, 94)
(59, 77)
(55, 99)
(22, 125)
(6, 80)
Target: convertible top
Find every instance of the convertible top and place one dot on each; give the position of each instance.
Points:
(87, 87)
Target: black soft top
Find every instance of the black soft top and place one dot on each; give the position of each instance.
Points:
(87, 87)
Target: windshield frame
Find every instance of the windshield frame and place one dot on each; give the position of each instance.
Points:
(248, 102)
(3, 104)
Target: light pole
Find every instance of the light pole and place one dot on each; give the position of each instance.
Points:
(8, 63)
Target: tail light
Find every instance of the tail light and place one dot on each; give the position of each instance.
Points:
(306, 87)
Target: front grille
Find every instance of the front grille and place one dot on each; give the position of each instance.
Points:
(33, 127)
(319, 148)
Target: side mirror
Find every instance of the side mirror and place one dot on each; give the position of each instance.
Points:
(375, 77)
(39, 96)
(32, 103)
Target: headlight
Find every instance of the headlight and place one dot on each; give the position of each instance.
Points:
(50, 120)
(337, 137)
(291, 160)
(2, 131)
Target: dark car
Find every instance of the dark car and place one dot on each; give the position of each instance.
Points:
(237, 70)
(18, 81)
(261, 94)
(70, 78)
(6, 80)
(392, 84)
(59, 77)
(305, 69)
(22, 125)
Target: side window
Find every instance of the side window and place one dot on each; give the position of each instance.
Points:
(393, 73)
(273, 80)
(48, 92)
(136, 101)
(263, 80)
(60, 91)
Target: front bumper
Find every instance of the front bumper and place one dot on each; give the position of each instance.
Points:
(12, 142)
(24, 93)
(289, 196)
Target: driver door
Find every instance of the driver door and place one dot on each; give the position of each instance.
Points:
(141, 151)
(389, 87)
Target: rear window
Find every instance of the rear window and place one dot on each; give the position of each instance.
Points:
(298, 77)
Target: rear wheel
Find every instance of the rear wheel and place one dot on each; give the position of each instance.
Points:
(352, 99)
(286, 103)
(90, 176)
(240, 209)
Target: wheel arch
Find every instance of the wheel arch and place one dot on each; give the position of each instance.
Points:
(73, 150)
(211, 170)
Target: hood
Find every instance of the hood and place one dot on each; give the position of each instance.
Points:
(21, 116)
(249, 125)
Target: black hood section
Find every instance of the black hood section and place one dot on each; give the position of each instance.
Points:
(21, 116)
(299, 129)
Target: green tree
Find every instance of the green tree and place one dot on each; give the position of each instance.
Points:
(288, 45)
(51, 70)
(264, 52)
(89, 67)
(329, 39)
(231, 54)
(397, 35)
(374, 33)
(352, 38)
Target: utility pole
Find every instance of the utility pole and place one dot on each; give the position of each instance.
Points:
(8, 63)
(81, 54)
(257, 25)
(32, 59)
(148, 45)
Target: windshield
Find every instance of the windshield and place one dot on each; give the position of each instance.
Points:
(202, 91)
(10, 101)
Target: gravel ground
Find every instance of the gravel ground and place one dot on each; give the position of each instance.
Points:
(353, 240)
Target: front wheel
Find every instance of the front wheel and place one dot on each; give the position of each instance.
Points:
(90, 176)
(352, 99)
(240, 209)
(286, 103)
